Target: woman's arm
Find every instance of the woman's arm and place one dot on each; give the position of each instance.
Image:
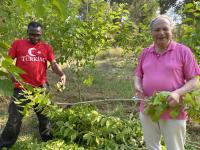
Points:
(188, 86)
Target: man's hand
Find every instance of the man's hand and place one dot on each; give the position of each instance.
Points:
(60, 86)
(173, 99)
(63, 79)
(57, 69)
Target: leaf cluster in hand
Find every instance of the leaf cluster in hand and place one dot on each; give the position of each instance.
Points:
(59, 86)
(158, 104)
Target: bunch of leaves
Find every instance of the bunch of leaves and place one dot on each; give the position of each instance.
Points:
(85, 126)
(192, 105)
(38, 98)
(50, 145)
(158, 104)
(59, 86)
(7, 69)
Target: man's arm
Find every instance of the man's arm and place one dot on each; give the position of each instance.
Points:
(189, 86)
(57, 69)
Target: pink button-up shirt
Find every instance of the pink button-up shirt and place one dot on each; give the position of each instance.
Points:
(166, 72)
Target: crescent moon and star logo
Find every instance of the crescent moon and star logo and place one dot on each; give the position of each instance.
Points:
(31, 51)
(34, 55)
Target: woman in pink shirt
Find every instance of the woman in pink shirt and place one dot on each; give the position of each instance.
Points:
(165, 66)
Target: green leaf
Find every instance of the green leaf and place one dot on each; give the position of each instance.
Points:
(73, 135)
(189, 5)
(6, 87)
(7, 64)
(3, 74)
(66, 132)
(155, 117)
(157, 101)
(40, 8)
(61, 7)
(188, 99)
(24, 5)
(187, 20)
(89, 80)
(175, 112)
(4, 45)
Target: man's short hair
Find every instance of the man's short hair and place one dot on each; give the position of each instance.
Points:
(34, 25)
(162, 17)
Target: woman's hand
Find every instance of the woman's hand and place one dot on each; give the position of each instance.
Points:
(173, 99)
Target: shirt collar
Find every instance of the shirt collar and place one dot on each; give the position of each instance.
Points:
(171, 46)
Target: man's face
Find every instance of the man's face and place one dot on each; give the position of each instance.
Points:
(161, 31)
(34, 34)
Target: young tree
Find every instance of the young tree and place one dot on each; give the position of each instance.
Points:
(190, 27)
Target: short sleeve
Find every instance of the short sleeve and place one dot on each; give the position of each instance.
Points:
(138, 70)
(190, 66)
(12, 52)
(50, 54)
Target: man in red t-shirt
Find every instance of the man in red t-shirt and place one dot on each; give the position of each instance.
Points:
(31, 56)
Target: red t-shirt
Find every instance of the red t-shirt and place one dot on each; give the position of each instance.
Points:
(32, 58)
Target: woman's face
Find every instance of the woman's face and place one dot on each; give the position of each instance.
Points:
(161, 31)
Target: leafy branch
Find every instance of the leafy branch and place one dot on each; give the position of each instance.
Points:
(158, 105)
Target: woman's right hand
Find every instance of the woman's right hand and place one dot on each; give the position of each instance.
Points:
(139, 93)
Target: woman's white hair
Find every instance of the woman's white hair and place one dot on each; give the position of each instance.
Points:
(162, 17)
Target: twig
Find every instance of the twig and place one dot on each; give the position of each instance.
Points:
(134, 99)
